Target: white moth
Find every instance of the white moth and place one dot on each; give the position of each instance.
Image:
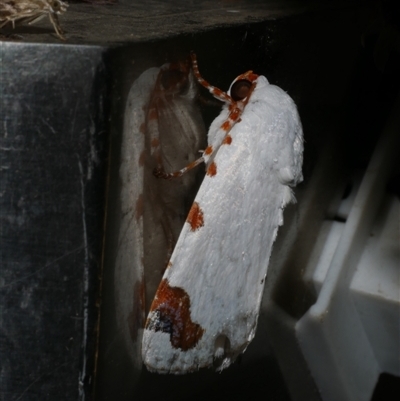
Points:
(206, 308)
(163, 128)
(31, 11)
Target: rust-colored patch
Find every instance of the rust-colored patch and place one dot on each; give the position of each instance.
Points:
(171, 315)
(226, 125)
(136, 317)
(249, 76)
(208, 150)
(234, 114)
(142, 128)
(195, 217)
(139, 207)
(212, 169)
(227, 140)
(142, 158)
(169, 264)
(155, 142)
(217, 92)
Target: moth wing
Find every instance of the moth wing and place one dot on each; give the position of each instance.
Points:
(206, 308)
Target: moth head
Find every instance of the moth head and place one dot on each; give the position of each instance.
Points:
(242, 86)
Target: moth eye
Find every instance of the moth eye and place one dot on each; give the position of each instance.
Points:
(174, 79)
(240, 89)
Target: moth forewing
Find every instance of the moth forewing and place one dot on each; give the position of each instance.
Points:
(32, 11)
(206, 309)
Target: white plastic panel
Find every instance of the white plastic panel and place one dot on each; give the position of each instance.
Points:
(350, 335)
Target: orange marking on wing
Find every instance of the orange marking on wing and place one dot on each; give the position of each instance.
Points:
(136, 318)
(226, 125)
(142, 158)
(235, 114)
(171, 307)
(212, 169)
(195, 217)
(208, 150)
(169, 264)
(139, 207)
(155, 142)
(227, 140)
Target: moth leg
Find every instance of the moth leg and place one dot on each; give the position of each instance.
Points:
(235, 111)
(161, 173)
(210, 151)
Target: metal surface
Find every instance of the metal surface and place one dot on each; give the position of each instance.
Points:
(52, 133)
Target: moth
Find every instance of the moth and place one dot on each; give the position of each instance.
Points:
(32, 11)
(163, 128)
(205, 311)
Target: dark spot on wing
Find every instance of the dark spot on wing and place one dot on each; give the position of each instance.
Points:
(170, 313)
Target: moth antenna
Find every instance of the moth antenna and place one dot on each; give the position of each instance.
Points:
(217, 93)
